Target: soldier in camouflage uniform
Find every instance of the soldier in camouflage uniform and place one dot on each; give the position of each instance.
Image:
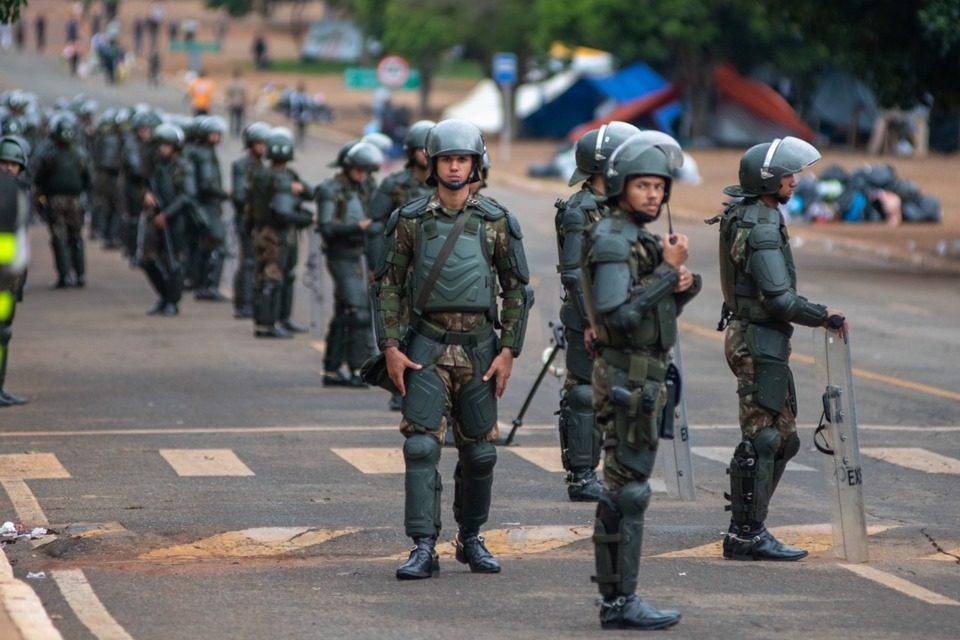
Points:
(343, 224)
(759, 284)
(396, 190)
(579, 436)
(138, 155)
(451, 362)
(108, 162)
(276, 198)
(61, 176)
(211, 236)
(168, 202)
(635, 285)
(14, 213)
(242, 170)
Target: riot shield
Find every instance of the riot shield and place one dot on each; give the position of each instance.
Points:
(313, 280)
(675, 454)
(837, 437)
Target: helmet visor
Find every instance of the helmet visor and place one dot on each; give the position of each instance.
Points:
(788, 155)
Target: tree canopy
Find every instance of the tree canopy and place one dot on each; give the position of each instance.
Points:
(10, 10)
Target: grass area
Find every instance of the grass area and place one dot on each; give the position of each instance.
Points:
(465, 69)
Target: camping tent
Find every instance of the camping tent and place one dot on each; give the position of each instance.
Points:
(840, 100)
(582, 100)
(749, 112)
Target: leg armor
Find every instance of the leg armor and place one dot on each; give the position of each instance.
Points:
(426, 399)
(618, 537)
(579, 438)
(243, 278)
(61, 260)
(336, 337)
(359, 331)
(787, 451)
(421, 519)
(476, 405)
(752, 471)
(77, 256)
(265, 312)
(474, 484)
(157, 278)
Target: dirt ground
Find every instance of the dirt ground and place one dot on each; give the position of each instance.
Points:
(935, 245)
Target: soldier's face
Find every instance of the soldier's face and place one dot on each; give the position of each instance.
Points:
(420, 159)
(788, 184)
(10, 167)
(644, 194)
(213, 138)
(454, 169)
(357, 175)
(166, 150)
(259, 149)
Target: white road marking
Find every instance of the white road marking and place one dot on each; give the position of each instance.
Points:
(914, 458)
(724, 454)
(87, 606)
(899, 584)
(205, 462)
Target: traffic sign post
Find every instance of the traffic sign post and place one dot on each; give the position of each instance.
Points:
(393, 72)
(505, 74)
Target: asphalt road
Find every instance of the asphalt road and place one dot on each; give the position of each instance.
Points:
(205, 485)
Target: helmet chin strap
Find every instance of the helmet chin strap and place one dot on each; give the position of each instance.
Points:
(453, 186)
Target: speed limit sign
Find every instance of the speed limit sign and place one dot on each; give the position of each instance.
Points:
(393, 72)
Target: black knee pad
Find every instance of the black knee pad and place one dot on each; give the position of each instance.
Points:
(789, 448)
(478, 459)
(633, 499)
(421, 451)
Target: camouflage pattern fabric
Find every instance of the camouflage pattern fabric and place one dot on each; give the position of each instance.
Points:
(268, 247)
(66, 218)
(753, 417)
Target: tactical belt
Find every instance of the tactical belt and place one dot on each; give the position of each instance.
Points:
(464, 338)
(639, 365)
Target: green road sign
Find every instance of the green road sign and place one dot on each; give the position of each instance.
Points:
(194, 45)
(365, 78)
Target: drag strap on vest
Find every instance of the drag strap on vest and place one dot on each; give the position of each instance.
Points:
(442, 256)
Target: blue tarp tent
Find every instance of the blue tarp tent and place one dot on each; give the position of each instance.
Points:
(579, 103)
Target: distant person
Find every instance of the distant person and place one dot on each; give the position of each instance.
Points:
(137, 35)
(19, 34)
(153, 68)
(155, 16)
(172, 30)
(237, 99)
(6, 36)
(260, 52)
(40, 28)
(96, 23)
(73, 30)
(200, 93)
(299, 111)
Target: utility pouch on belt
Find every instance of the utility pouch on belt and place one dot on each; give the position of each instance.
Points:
(769, 348)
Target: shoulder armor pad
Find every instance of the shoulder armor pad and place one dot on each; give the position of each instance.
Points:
(489, 208)
(415, 207)
(326, 190)
(610, 247)
(514, 225)
(765, 236)
(392, 222)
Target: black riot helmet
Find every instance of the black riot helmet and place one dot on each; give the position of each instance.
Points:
(14, 149)
(455, 137)
(255, 132)
(416, 137)
(648, 153)
(595, 146)
(763, 165)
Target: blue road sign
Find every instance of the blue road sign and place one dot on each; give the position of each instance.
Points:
(505, 68)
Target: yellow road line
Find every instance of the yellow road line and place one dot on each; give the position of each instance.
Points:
(899, 584)
(24, 503)
(258, 542)
(23, 606)
(373, 460)
(87, 606)
(547, 458)
(31, 466)
(860, 373)
(914, 458)
(205, 462)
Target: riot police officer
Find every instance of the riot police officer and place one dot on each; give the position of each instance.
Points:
(276, 211)
(579, 436)
(635, 285)
(108, 163)
(210, 194)
(254, 138)
(761, 304)
(169, 201)
(14, 213)
(61, 177)
(138, 152)
(342, 223)
(396, 190)
(451, 363)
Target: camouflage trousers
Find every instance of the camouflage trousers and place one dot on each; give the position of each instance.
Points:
(753, 417)
(270, 250)
(65, 216)
(107, 203)
(630, 437)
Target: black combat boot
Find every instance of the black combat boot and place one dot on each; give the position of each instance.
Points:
(357, 381)
(471, 551)
(631, 612)
(584, 486)
(244, 312)
(758, 544)
(423, 561)
(335, 379)
(7, 399)
(78, 261)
